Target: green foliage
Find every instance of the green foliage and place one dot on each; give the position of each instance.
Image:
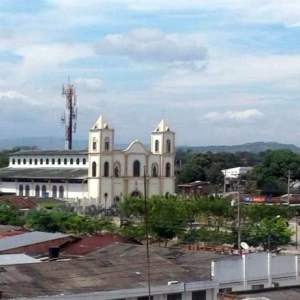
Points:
(8, 214)
(191, 172)
(136, 231)
(64, 221)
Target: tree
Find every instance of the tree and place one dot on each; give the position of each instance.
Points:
(8, 214)
(191, 172)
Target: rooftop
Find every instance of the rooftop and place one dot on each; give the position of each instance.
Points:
(48, 152)
(7, 228)
(51, 173)
(16, 259)
(28, 238)
(112, 272)
(21, 203)
(196, 263)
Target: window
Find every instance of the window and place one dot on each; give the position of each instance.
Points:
(35, 161)
(65, 161)
(59, 161)
(154, 170)
(136, 169)
(174, 297)
(71, 161)
(61, 191)
(77, 161)
(47, 161)
(156, 145)
(53, 161)
(54, 191)
(199, 295)
(41, 161)
(44, 190)
(94, 144)
(84, 161)
(106, 144)
(21, 190)
(168, 170)
(168, 146)
(117, 169)
(257, 287)
(106, 169)
(13, 161)
(24, 161)
(19, 161)
(30, 161)
(37, 191)
(27, 190)
(225, 290)
(94, 169)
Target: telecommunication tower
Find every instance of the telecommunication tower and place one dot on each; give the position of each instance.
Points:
(69, 116)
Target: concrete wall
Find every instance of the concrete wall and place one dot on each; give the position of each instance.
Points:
(256, 268)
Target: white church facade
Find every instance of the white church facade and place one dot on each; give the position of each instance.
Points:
(101, 174)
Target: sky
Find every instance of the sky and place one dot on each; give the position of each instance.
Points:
(220, 71)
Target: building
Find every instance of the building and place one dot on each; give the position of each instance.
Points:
(199, 188)
(101, 174)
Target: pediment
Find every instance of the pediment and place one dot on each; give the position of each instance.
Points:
(136, 147)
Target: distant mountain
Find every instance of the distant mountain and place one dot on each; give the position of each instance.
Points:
(58, 143)
(47, 143)
(250, 147)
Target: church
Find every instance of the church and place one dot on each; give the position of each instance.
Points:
(102, 174)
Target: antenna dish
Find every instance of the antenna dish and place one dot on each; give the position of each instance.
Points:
(245, 246)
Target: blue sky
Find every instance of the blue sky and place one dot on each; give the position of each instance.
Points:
(220, 71)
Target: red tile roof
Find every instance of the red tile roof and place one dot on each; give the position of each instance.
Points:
(90, 243)
(19, 202)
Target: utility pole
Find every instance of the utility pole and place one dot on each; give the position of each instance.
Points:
(239, 217)
(288, 187)
(146, 233)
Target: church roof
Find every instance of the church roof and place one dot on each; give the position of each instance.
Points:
(49, 152)
(163, 127)
(101, 124)
(44, 173)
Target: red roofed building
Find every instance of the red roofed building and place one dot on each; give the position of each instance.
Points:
(90, 243)
(19, 202)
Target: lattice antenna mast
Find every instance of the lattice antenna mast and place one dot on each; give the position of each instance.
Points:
(69, 116)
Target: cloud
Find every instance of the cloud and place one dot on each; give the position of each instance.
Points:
(90, 84)
(239, 116)
(149, 45)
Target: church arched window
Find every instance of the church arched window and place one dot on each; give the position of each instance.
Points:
(19, 161)
(35, 161)
(156, 145)
(59, 161)
(71, 161)
(47, 161)
(37, 191)
(117, 169)
(94, 169)
(154, 170)
(13, 161)
(30, 161)
(44, 190)
(54, 191)
(168, 146)
(61, 191)
(77, 161)
(41, 161)
(94, 144)
(168, 170)
(106, 169)
(24, 161)
(106, 144)
(53, 161)
(136, 169)
(65, 161)
(21, 190)
(84, 161)
(27, 190)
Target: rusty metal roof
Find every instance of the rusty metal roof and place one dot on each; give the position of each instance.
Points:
(21, 203)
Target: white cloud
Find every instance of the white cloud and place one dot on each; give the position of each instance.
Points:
(148, 45)
(240, 116)
(90, 84)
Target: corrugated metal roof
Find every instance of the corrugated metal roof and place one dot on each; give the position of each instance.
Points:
(44, 173)
(19, 202)
(16, 259)
(49, 152)
(29, 238)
